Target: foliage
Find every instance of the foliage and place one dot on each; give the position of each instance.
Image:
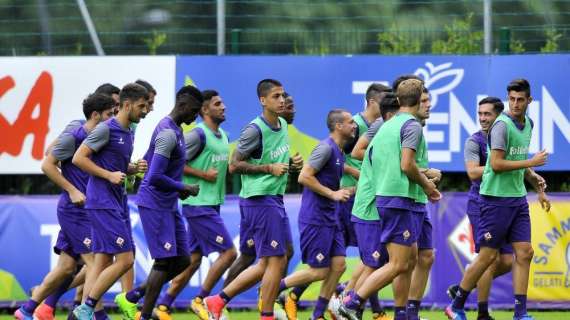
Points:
(516, 46)
(461, 39)
(154, 42)
(552, 38)
(394, 41)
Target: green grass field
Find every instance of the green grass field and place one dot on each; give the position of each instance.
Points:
(304, 315)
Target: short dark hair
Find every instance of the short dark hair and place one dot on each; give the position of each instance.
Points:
(98, 102)
(389, 104)
(146, 85)
(286, 95)
(375, 89)
(108, 89)
(132, 92)
(265, 85)
(409, 92)
(335, 116)
(209, 94)
(498, 105)
(519, 85)
(402, 78)
(194, 96)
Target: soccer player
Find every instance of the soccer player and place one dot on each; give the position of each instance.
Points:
(475, 154)
(105, 155)
(504, 214)
(397, 149)
(74, 238)
(157, 200)
(247, 250)
(421, 267)
(207, 153)
(262, 158)
(322, 239)
(367, 224)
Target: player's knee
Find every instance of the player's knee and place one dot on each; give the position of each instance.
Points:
(319, 273)
(161, 265)
(181, 263)
(126, 261)
(338, 266)
(426, 258)
(229, 255)
(524, 254)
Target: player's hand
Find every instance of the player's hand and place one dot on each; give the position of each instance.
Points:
(278, 169)
(431, 191)
(341, 195)
(539, 158)
(116, 177)
(434, 175)
(211, 175)
(77, 198)
(141, 166)
(544, 201)
(192, 189)
(296, 162)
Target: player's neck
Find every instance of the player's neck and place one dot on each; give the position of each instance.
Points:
(411, 110)
(123, 119)
(520, 119)
(370, 115)
(271, 117)
(90, 124)
(177, 118)
(214, 126)
(338, 139)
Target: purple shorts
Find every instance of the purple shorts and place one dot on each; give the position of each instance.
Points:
(207, 232)
(266, 229)
(498, 225)
(246, 232)
(74, 238)
(110, 232)
(425, 241)
(165, 233)
(320, 243)
(345, 213)
(473, 216)
(372, 252)
(398, 226)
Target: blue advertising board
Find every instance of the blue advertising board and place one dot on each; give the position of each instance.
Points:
(456, 84)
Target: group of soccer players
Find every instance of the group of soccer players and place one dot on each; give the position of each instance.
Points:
(366, 185)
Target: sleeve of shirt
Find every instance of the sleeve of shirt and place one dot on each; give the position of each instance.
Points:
(64, 147)
(98, 138)
(319, 156)
(157, 176)
(374, 127)
(195, 141)
(249, 140)
(498, 136)
(411, 135)
(165, 142)
(471, 150)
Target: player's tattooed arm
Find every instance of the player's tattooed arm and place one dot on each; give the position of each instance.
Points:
(210, 175)
(240, 165)
(360, 148)
(82, 159)
(307, 178)
(50, 166)
(351, 171)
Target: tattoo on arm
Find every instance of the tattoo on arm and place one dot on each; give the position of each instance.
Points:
(241, 166)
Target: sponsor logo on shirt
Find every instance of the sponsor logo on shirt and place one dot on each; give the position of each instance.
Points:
(121, 141)
(337, 161)
(274, 154)
(518, 151)
(219, 157)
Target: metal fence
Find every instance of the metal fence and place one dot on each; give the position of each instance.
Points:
(57, 27)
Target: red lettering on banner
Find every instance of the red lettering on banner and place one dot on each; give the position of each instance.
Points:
(13, 135)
